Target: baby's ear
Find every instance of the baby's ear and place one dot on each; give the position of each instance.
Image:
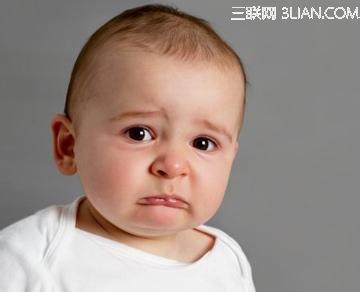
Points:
(63, 144)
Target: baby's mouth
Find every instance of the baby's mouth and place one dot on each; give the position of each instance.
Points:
(172, 201)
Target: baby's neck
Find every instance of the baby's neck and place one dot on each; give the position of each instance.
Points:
(187, 246)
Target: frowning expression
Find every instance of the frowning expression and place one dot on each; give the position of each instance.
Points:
(158, 125)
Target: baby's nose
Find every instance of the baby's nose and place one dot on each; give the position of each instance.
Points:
(170, 165)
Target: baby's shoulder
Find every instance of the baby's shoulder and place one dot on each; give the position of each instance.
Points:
(221, 235)
(227, 243)
(23, 249)
(32, 235)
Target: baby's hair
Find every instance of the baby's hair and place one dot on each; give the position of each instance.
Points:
(155, 28)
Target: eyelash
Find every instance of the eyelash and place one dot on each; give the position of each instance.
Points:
(147, 129)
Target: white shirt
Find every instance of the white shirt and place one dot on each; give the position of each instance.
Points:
(46, 252)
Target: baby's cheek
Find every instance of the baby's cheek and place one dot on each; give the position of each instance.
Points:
(215, 179)
(115, 173)
(220, 171)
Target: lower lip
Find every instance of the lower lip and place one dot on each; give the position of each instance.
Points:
(173, 203)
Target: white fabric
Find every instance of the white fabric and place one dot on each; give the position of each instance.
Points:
(46, 252)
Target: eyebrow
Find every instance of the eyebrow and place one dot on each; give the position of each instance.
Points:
(138, 114)
(202, 122)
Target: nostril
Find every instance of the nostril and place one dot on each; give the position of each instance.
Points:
(161, 172)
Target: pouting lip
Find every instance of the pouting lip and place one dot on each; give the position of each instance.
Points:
(166, 197)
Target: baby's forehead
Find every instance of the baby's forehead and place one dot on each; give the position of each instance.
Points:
(147, 68)
(105, 54)
(117, 63)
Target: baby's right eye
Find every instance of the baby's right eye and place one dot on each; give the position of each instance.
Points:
(139, 133)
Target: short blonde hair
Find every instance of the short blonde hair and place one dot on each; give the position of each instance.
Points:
(154, 28)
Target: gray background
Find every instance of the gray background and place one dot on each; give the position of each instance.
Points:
(293, 197)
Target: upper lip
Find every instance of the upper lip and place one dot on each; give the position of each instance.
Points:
(167, 196)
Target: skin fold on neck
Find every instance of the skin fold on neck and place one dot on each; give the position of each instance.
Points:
(192, 244)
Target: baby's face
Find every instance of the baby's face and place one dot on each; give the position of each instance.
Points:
(156, 125)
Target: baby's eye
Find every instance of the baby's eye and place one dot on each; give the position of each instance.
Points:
(142, 134)
(203, 143)
(139, 133)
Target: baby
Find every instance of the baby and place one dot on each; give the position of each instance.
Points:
(153, 113)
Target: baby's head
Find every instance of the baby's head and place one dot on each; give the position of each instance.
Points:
(146, 89)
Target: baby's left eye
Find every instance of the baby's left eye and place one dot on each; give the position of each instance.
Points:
(202, 143)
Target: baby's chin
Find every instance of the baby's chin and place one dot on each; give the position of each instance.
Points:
(156, 229)
(146, 221)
